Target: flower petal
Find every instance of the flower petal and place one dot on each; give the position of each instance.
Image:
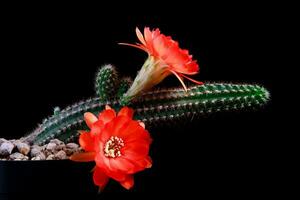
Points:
(140, 36)
(116, 175)
(180, 80)
(128, 182)
(90, 119)
(107, 115)
(99, 159)
(134, 131)
(122, 164)
(83, 157)
(138, 46)
(190, 79)
(135, 151)
(114, 128)
(146, 163)
(86, 141)
(100, 178)
(132, 127)
(97, 128)
(127, 112)
(148, 38)
(142, 124)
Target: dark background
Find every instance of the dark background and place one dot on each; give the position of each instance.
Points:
(49, 56)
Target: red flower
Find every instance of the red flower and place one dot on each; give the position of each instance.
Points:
(165, 57)
(118, 145)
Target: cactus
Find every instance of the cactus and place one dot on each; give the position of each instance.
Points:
(123, 87)
(155, 108)
(106, 82)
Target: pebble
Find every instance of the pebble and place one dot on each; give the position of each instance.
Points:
(51, 147)
(2, 140)
(6, 148)
(60, 147)
(40, 156)
(54, 150)
(56, 141)
(71, 148)
(61, 155)
(23, 148)
(50, 157)
(18, 156)
(35, 150)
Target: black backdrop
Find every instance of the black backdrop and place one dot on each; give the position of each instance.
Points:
(50, 55)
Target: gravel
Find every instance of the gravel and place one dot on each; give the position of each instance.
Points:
(6, 148)
(23, 148)
(54, 150)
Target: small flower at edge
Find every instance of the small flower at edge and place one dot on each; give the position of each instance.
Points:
(118, 144)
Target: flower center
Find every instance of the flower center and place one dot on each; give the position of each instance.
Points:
(112, 147)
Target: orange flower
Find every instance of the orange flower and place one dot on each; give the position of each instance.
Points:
(164, 58)
(118, 145)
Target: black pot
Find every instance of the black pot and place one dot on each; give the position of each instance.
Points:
(42, 179)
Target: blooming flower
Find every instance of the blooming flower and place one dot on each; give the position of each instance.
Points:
(118, 144)
(164, 58)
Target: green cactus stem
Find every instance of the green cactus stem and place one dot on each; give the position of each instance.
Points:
(155, 108)
(124, 86)
(106, 82)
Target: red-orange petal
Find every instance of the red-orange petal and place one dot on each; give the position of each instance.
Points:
(193, 80)
(138, 46)
(148, 35)
(90, 119)
(116, 175)
(131, 129)
(127, 112)
(114, 128)
(180, 79)
(107, 115)
(100, 178)
(137, 149)
(99, 159)
(128, 182)
(86, 141)
(83, 157)
(148, 162)
(140, 36)
(122, 164)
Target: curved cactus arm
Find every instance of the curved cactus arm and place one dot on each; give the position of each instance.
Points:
(155, 108)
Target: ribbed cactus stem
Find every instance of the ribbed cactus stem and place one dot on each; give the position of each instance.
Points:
(106, 82)
(156, 108)
(123, 86)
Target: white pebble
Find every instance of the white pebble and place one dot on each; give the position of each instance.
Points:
(17, 156)
(72, 146)
(6, 148)
(40, 156)
(51, 147)
(61, 155)
(56, 141)
(50, 157)
(2, 140)
(35, 150)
